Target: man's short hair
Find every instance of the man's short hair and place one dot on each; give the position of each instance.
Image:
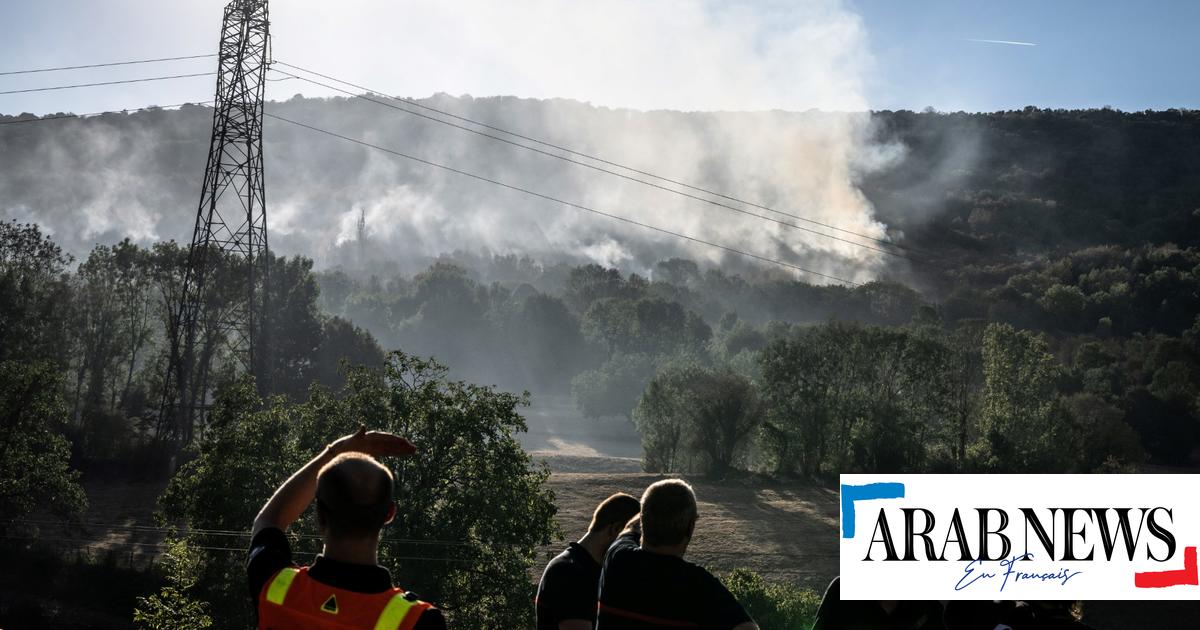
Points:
(668, 512)
(354, 495)
(615, 510)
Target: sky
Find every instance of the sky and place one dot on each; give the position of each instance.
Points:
(701, 55)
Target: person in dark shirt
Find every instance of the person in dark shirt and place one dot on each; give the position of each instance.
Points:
(1014, 615)
(836, 613)
(344, 587)
(645, 582)
(566, 595)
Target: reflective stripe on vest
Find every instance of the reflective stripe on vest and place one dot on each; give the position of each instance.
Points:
(401, 613)
(280, 584)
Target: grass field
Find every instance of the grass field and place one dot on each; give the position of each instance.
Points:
(786, 532)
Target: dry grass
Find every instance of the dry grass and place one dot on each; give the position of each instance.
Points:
(784, 531)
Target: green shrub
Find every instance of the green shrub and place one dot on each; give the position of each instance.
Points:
(773, 605)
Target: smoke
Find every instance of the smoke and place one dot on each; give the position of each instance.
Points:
(710, 85)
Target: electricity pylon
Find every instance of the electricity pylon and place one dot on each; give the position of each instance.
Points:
(223, 298)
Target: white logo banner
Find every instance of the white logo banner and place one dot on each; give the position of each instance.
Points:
(1019, 537)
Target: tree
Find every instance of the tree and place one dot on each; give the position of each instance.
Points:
(741, 336)
(336, 287)
(726, 411)
(677, 271)
(846, 397)
(450, 317)
(710, 413)
(472, 496)
(34, 456)
(134, 274)
(1065, 305)
(613, 388)
(33, 295)
(343, 345)
(665, 327)
(589, 283)
(292, 333)
(652, 325)
(1023, 427)
(889, 303)
(612, 322)
(173, 607)
(662, 423)
(964, 379)
(798, 372)
(1108, 443)
(546, 343)
(96, 323)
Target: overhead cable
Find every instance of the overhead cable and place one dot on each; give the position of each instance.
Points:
(563, 202)
(83, 85)
(105, 65)
(582, 154)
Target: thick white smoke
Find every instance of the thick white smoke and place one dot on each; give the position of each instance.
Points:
(735, 69)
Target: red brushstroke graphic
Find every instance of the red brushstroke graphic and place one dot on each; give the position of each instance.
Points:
(1162, 579)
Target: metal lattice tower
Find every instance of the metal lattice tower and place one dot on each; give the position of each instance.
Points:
(223, 297)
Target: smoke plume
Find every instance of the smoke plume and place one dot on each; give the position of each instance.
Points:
(642, 64)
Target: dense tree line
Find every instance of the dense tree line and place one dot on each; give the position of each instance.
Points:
(833, 378)
(77, 393)
(1054, 328)
(1015, 382)
(94, 336)
(1003, 184)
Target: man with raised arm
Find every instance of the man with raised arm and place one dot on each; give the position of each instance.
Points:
(344, 587)
(566, 595)
(646, 583)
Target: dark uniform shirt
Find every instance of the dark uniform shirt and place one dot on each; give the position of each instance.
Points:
(838, 614)
(568, 588)
(270, 552)
(642, 590)
(988, 615)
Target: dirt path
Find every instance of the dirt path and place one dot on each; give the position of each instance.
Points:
(556, 428)
(118, 526)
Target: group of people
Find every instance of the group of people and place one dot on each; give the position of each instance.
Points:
(838, 614)
(627, 572)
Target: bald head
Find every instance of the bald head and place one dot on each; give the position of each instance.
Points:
(354, 496)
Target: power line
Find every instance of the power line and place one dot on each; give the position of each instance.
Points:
(563, 202)
(600, 169)
(148, 529)
(83, 85)
(597, 159)
(105, 65)
(104, 543)
(228, 532)
(111, 111)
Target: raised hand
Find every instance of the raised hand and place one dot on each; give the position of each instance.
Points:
(374, 443)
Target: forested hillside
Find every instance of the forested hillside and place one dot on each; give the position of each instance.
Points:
(984, 185)
(1077, 226)
(1043, 316)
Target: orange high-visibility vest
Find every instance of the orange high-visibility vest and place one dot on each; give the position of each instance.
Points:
(292, 599)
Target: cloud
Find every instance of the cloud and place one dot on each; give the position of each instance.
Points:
(685, 55)
(1001, 41)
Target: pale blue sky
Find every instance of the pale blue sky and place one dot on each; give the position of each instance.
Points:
(1131, 55)
(882, 54)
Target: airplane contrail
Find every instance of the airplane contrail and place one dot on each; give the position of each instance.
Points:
(1001, 41)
